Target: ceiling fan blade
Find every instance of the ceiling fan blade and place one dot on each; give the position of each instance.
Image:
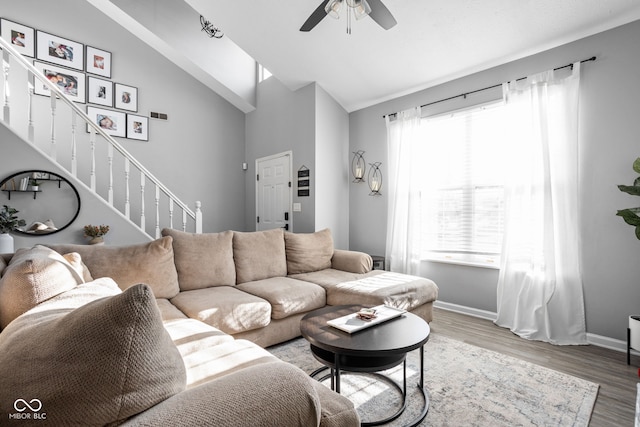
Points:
(381, 14)
(315, 17)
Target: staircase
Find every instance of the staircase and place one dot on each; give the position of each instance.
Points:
(93, 158)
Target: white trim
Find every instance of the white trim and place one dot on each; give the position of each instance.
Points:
(593, 339)
(482, 314)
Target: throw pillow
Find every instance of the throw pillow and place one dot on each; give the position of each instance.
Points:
(151, 263)
(259, 255)
(34, 275)
(308, 252)
(99, 364)
(203, 260)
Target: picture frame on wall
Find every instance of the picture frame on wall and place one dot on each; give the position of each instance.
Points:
(114, 123)
(126, 97)
(99, 91)
(98, 62)
(21, 37)
(137, 127)
(60, 51)
(71, 83)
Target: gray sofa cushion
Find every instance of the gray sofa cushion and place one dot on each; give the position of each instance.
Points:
(259, 255)
(308, 252)
(225, 307)
(34, 275)
(151, 263)
(287, 296)
(98, 364)
(203, 260)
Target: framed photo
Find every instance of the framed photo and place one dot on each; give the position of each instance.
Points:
(114, 123)
(70, 82)
(59, 50)
(126, 97)
(98, 62)
(100, 91)
(21, 37)
(137, 127)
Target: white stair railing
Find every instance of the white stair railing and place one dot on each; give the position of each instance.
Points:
(66, 147)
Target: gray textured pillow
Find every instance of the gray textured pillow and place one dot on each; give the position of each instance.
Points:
(308, 252)
(203, 260)
(259, 255)
(34, 275)
(151, 263)
(98, 364)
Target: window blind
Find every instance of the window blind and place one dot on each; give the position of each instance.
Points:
(462, 191)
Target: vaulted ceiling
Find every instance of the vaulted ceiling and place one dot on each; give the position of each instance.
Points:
(434, 41)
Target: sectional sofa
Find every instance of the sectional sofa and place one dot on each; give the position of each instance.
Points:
(173, 331)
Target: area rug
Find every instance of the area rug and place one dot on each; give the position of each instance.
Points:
(466, 385)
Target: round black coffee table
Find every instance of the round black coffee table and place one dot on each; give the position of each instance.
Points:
(370, 350)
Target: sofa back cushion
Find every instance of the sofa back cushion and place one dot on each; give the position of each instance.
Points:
(96, 365)
(203, 260)
(259, 255)
(34, 275)
(151, 263)
(308, 252)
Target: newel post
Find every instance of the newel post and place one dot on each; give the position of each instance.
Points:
(198, 217)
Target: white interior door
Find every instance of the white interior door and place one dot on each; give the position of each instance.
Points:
(273, 192)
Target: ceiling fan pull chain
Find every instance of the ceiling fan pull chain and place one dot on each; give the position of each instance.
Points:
(348, 11)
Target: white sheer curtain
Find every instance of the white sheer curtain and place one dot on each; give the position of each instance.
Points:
(403, 224)
(539, 293)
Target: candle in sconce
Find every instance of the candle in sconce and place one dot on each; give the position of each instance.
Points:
(359, 172)
(375, 184)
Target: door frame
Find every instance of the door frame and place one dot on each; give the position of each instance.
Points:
(288, 154)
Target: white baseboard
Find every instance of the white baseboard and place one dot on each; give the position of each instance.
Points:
(483, 314)
(597, 340)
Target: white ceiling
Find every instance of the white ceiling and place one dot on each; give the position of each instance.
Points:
(434, 41)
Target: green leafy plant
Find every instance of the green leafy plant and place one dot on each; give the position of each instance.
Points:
(95, 230)
(9, 221)
(630, 215)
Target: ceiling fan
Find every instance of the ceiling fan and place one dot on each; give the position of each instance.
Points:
(361, 8)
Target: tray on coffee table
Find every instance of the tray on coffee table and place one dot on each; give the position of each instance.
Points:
(351, 323)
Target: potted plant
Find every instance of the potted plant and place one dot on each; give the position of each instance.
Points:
(630, 215)
(34, 184)
(96, 233)
(8, 222)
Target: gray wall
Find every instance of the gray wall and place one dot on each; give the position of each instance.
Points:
(609, 128)
(332, 168)
(197, 153)
(315, 128)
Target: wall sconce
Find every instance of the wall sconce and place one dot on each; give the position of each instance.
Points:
(358, 166)
(375, 179)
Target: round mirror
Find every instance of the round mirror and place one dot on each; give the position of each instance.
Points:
(47, 202)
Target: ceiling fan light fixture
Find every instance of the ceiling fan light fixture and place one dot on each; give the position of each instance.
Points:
(333, 8)
(360, 8)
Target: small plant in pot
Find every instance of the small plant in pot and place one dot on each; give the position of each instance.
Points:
(630, 215)
(34, 184)
(95, 233)
(9, 222)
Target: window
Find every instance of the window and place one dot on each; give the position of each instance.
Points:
(462, 185)
(263, 73)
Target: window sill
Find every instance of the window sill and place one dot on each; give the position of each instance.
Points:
(491, 264)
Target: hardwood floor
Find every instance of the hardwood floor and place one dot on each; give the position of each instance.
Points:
(615, 405)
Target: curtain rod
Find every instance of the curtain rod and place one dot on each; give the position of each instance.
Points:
(464, 95)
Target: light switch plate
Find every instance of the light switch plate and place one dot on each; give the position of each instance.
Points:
(297, 207)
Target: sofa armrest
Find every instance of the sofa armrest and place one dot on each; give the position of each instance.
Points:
(268, 394)
(351, 261)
